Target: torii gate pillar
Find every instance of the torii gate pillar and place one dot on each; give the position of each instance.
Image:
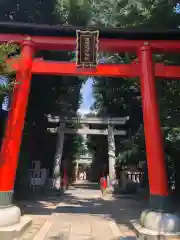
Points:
(9, 214)
(112, 158)
(158, 218)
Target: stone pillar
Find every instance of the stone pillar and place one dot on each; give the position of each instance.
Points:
(9, 214)
(158, 220)
(58, 158)
(112, 158)
(77, 169)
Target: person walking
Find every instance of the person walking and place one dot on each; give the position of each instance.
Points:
(103, 185)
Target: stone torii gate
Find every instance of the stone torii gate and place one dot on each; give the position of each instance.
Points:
(84, 129)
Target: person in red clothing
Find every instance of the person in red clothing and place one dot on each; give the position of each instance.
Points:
(103, 184)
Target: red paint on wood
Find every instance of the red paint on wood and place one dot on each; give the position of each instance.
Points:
(154, 144)
(108, 70)
(15, 123)
(111, 45)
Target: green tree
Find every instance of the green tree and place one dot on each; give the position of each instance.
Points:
(121, 97)
(49, 94)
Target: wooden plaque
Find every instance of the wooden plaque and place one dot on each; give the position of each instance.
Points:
(87, 48)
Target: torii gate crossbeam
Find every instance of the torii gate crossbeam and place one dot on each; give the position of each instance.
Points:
(107, 70)
(89, 120)
(87, 131)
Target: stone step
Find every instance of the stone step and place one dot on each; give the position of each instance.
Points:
(32, 231)
(15, 231)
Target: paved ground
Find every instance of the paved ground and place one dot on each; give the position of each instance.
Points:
(82, 214)
(39, 211)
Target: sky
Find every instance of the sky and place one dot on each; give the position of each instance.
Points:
(87, 97)
(177, 8)
(86, 93)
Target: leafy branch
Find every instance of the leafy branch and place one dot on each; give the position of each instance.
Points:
(6, 51)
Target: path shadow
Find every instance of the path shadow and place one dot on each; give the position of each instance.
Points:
(39, 204)
(122, 209)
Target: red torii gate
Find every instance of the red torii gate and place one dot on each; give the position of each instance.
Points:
(33, 38)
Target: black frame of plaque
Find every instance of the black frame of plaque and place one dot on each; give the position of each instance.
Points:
(87, 58)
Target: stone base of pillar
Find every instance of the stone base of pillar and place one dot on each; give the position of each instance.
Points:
(157, 225)
(9, 215)
(11, 222)
(15, 231)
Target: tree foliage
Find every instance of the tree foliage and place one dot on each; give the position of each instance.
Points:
(56, 95)
(113, 97)
(121, 97)
(7, 50)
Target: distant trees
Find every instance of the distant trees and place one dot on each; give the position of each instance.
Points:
(56, 95)
(121, 97)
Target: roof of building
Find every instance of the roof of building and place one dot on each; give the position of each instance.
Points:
(70, 31)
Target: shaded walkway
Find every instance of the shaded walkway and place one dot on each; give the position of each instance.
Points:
(83, 214)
